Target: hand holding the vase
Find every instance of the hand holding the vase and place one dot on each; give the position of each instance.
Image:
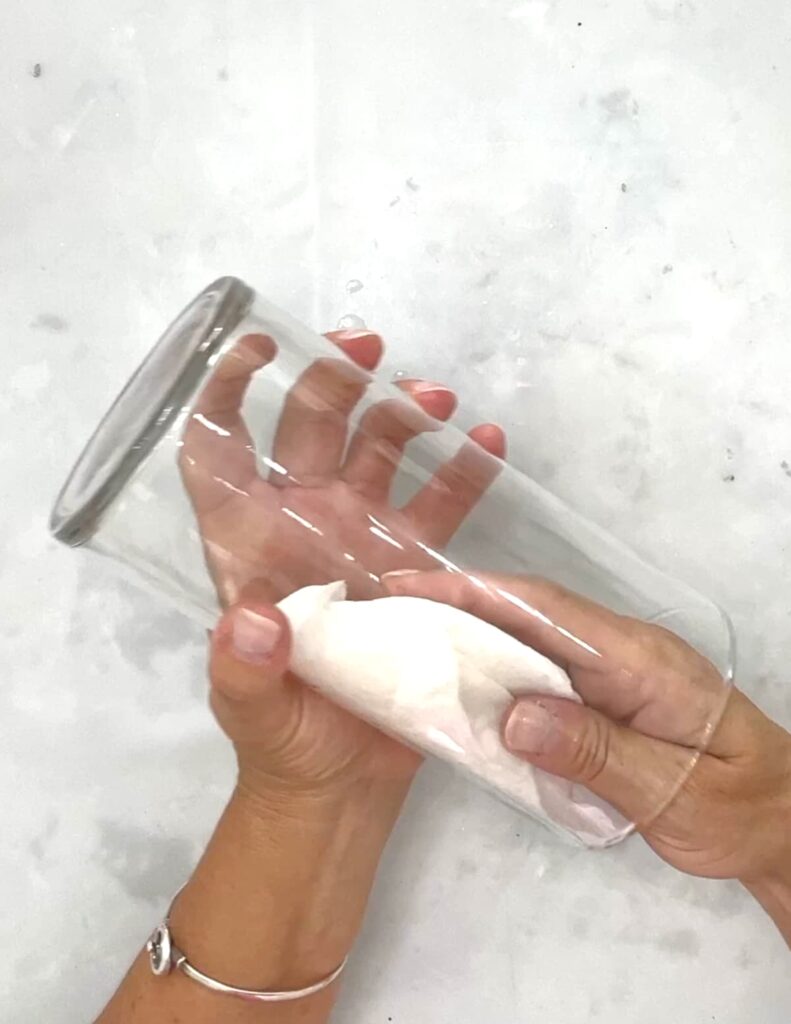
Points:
(278, 897)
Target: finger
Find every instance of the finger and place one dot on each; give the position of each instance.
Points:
(562, 625)
(634, 672)
(438, 509)
(217, 455)
(248, 662)
(385, 429)
(363, 347)
(311, 434)
(491, 438)
(435, 399)
(638, 775)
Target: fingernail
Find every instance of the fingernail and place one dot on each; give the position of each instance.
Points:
(529, 728)
(428, 387)
(435, 399)
(355, 334)
(491, 438)
(253, 636)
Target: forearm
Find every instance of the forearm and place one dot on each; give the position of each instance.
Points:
(274, 904)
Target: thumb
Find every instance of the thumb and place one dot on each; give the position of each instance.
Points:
(637, 774)
(250, 691)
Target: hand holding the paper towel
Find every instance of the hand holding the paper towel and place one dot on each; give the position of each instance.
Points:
(648, 698)
(646, 695)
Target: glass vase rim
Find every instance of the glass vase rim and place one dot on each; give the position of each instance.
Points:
(140, 416)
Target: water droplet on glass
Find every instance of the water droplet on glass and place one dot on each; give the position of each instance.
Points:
(400, 375)
(354, 286)
(351, 322)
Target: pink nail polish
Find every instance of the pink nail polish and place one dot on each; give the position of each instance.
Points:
(426, 387)
(355, 334)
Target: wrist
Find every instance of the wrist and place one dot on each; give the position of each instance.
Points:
(280, 804)
(771, 884)
(773, 891)
(290, 872)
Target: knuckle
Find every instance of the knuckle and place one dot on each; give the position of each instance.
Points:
(657, 645)
(225, 686)
(329, 385)
(591, 750)
(546, 588)
(648, 640)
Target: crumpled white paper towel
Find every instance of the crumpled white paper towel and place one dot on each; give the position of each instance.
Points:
(441, 680)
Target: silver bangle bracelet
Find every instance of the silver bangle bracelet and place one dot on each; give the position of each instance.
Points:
(164, 957)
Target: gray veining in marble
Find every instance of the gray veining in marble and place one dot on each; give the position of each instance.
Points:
(576, 213)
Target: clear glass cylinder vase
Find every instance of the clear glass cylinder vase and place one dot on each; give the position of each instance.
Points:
(248, 451)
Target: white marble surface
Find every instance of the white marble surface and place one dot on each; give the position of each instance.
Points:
(583, 227)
